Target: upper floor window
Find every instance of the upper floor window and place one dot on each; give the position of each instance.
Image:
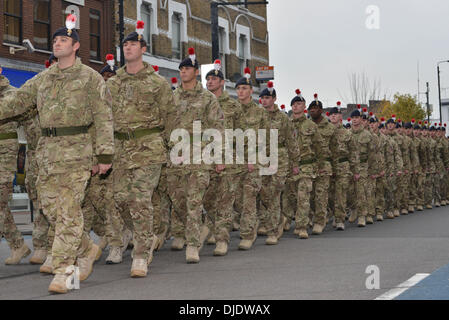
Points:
(241, 53)
(41, 37)
(12, 21)
(145, 13)
(95, 34)
(176, 36)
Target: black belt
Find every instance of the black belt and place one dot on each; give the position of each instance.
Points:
(8, 135)
(136, 133)
(363, 160)
(343, 160)
(307, 161)
(67, 131)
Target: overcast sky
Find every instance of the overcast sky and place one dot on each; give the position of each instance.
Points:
(315, 45)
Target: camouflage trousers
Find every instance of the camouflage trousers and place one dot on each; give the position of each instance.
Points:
(401, 191)
(380, 195)
(297, 201)
(444, 185)
(40, 223)
(437, 187)
(133, 193)
(428, 189)
(371, 197)
(320, 194)
(218, 203)
(404, 191)
(270, 200)
(100, 213)
(187, 189)
(360, 196)
(412, 192)
(418, 182)
(61, 197)
(8, 227)
(338, 192)
(161, 206)
(390, 191)
(249, 187)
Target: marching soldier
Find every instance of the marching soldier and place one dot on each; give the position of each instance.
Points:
(9, 146)
(366, 151)
(299, 187)
(287, 152)
(194, 104)
(344, 161)
(421, 167)
(141, 103)
(70, 97)
(322, 151)
(220, 195)
(374, 169)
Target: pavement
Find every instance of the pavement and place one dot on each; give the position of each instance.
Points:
(334, 265)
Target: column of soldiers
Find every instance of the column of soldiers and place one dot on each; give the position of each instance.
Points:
(102, 157)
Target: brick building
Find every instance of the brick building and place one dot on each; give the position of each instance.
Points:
(37, 20)
(171, 27)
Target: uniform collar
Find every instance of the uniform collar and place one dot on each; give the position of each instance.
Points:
(146, 71)
(197, 89)
(54, 71)
(224, 97)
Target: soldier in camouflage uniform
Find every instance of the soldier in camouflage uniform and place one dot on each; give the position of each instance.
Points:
(288, 159)
(299, 187)
(70, 97)
(9, 149)
(142, 101)
(253, 118)
(445, 158)
(321, 184)
(344, 160)
(195, 106)
(439, 166)
(403, 184)
(420, 176)
(414, 165)
(220, 195)
(430, 151)
(381, 181)
(374, 169)
(366, 151)
(398, 167)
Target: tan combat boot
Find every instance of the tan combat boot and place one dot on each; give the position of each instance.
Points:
(340, 226)
(396, 213)
(204, 234)
(317, 229)
(47, 267)
(437, 204)
(379, 217)
(221, 249)
(390, 215)
(39, 256)
(262, 231)
(420, 208)
(86, 264)
(302, 233)
(287, 224)
(192, 254)
(429, 206)
(369, 220)
(271, 240)
(353, 216)
(211, 240)
(18, 254)
(404, 212)
(361, 221)
(178, 244)
(139, 268)
(115, 255)
(411, 209)
(59, 283)
(246, 244)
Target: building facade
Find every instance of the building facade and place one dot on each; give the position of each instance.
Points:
(36, 21)
(171, 27)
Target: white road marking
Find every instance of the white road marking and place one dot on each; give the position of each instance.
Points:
(393, 293)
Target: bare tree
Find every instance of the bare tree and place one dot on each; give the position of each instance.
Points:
(361, 89)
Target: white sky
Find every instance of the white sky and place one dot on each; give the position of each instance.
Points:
(315, 45)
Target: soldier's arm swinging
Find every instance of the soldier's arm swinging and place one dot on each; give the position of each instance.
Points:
(18, 101)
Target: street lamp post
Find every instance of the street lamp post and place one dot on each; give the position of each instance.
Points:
(439, 88)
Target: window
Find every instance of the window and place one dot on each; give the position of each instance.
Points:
(41, 36)
(221, 48)
(94, 24)
(13, 21)
(242, 56)
(145, 13)
(176, 36)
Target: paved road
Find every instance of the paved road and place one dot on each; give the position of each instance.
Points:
(329, 266)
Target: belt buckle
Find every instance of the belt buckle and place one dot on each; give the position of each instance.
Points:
(130, 135)
(51, 132)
